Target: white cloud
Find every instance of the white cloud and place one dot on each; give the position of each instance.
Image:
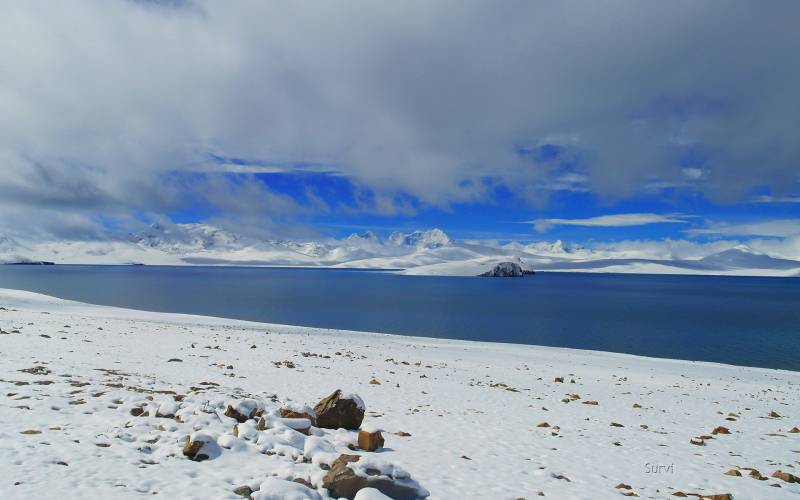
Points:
(615, 220)
(101, 101)
(780, 228)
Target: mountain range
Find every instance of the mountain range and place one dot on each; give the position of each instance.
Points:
(430, 252)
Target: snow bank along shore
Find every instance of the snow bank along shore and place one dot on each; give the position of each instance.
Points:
(110, 403)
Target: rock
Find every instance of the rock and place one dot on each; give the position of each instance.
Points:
(274, 488)
(623, 486)
(343, 482)
(773, 414)
(542, 424)
(697, 442)
(720, 430)
(680, 494)
(243, 491)
(374, 381)
(297, 411)
(340, 411)
(615, 424)
(174, 360)
(733, 472)
(506, 270)
(593, 403)
(370, 494)
(370, 441)
(402, 434)
(785, 476)
(559, 380)
(794, 430)
(719, 496)
(138, 411)
(200, 446)
(191, 449)
(244, 410)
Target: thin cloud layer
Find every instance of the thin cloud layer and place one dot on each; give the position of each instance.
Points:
(616, 220)
(110, 108)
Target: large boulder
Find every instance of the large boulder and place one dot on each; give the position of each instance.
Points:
(506, 270)
(274, 488)
(339, 410)
(351, 473)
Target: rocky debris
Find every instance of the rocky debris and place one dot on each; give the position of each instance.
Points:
(733, 472)
(345, 479)
(402, 434)
(785, 476)
(506, 270)
(623, 486)
(370, 441)
(340, 411)
(36, 370)
(593, 403)
(720, 430)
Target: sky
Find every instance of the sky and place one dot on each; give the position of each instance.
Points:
(592, 122)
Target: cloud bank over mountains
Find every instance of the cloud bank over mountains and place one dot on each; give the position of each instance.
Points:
(114, 112)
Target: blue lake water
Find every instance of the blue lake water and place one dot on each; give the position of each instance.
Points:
(742, 321)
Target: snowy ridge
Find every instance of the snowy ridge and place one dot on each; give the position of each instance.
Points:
(430, 252)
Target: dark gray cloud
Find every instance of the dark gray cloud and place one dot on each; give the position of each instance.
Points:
(102, 101)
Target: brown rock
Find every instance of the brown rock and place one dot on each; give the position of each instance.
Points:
(191, 450)
(342, 482)
(138, 411)
(719, 496)
(230, 411)
(593, 403)
(542, 424)
(630, 494)
(773, 414)
(697, 442)
(243, 491)
(615, 424)
(370, 441)
(335, 412)
(402, 434)
(680, 494)
(733, 472)
(559, 380)
(794, 430)
(287, 413)
(374, 382)
(785, 476)
(623, 486)
(720, 430)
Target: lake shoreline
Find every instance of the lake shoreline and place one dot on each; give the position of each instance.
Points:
(436, 390)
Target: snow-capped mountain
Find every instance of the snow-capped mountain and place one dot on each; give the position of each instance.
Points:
(417, 252)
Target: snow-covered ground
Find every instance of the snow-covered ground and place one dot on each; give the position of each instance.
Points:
(430, 252)
(484, 420)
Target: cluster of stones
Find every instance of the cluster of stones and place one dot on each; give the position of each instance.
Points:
(335, 411)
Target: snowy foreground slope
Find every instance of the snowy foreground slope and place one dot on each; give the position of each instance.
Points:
(484, 420)
(430, 252)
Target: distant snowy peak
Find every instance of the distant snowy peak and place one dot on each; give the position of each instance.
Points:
(434, 238)
(366, 236)
(182, 237)
(553, 247)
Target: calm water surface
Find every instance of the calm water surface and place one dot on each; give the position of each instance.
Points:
(743, 321)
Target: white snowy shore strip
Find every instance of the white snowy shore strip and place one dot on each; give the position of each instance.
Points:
(485, 420)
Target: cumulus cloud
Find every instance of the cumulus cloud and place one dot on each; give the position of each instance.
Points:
(615, 220)
(104, 102)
